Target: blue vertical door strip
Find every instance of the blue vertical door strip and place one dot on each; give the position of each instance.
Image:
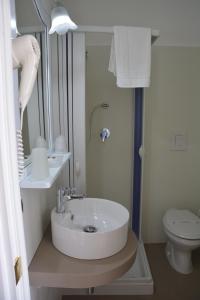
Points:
(137, 160)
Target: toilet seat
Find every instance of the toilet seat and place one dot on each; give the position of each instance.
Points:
(182, 223)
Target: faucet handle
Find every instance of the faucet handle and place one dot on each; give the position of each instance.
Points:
(73, 190)
(63, 190)
(67, 191)
(60, 191)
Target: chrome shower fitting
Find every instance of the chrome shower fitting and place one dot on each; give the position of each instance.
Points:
(104, 134)
(101, 105)
(105, 105)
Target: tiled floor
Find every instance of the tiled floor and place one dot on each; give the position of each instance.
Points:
(169, 285)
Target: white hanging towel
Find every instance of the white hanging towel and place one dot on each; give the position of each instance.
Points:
(130, 57)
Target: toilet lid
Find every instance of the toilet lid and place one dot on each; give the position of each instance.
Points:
(182, 223)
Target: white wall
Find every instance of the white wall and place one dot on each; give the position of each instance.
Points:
(37, 205)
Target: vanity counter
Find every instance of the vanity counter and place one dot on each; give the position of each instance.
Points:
(51, 268)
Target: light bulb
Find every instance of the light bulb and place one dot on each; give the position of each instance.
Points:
(60, 21)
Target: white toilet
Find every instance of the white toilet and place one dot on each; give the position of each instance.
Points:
(182, 228)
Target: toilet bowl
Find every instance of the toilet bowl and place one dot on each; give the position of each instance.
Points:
(182, 229)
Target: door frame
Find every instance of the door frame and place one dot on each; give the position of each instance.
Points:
(79, 130)
(12, 239)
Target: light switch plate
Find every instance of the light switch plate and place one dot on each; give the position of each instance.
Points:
(179, 142)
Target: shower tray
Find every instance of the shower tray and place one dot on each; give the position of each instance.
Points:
(137, 281)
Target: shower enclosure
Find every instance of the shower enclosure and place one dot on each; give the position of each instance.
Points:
(102, 167)
(113, 166)
(109, 110)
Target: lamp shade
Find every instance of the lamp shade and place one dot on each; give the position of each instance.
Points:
(60, 21)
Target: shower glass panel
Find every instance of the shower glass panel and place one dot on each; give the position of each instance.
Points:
(109, 163)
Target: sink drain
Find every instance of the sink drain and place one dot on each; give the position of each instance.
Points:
(90, 229)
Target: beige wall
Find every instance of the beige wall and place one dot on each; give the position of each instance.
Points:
(178, 21)
(172, 104)
(109, 164)
(170, 178)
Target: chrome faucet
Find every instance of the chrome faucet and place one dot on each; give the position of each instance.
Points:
(104, 134)
(66, 194)
(60, 204)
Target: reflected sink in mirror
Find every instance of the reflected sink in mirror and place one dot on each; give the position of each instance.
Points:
(91, 228)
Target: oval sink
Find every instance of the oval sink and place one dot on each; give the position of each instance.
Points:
(94, 228)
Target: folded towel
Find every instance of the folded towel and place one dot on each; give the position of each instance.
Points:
(130, 57)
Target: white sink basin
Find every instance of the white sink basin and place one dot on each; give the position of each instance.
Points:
(108, 218)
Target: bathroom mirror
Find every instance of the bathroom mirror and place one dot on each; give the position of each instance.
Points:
(36, 120)
(34, 124)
